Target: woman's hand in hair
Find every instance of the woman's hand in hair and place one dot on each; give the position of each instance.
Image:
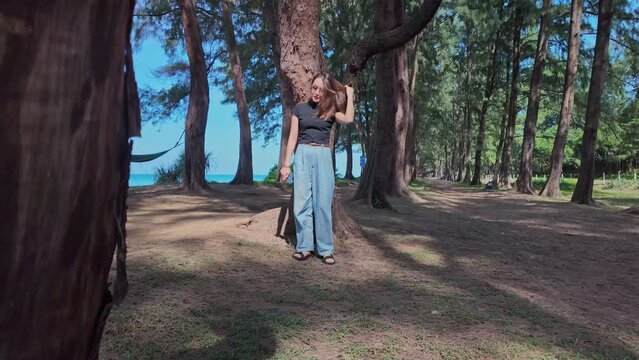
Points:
(349, 116)
(350, 92)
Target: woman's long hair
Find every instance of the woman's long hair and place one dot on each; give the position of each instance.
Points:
(334, 97)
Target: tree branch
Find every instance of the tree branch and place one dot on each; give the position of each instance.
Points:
(158, 14)
(381, 42)
(214, 59)
(211, 14)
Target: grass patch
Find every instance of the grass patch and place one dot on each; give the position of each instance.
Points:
(619, 193)
(346, 182)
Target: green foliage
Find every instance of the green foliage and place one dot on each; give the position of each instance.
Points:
(272, 175)
(174, 174)
(171, 174)
(460, 35)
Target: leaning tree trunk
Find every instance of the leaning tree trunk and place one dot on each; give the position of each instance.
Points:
(64, 158)
(524, 181)
(552, 188)
(244, 173)
(488, 93)
(506, 155)
(194, 157)
(583, 190)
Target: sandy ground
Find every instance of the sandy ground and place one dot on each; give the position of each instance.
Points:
(452, 273)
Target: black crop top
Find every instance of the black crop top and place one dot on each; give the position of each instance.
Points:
(311, 128)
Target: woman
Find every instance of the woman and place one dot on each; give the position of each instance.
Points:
(314, 180)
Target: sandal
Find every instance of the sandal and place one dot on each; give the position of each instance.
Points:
(300, 256)
(328, 259)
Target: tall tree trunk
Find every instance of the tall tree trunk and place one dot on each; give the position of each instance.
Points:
(504, 121)
(461, 150)
(524, 181)
(410, 169)
(64, 158)
(454, 157)
(488, 93)
(456, 146)
(551, 188)
(362, 121)
(506, 155)
(583, 190)
(385, 174)
(469, 106)
(195, 159)
(300, 54)
(446, 173)
(271, 16)
(349, 153)
(244, 173)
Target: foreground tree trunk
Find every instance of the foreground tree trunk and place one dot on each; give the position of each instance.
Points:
(506, 155)
(196, 117)
(64, 158)
(583, 190)
(524, 181)
(551, 189)
(385, 174)
(300, 54)
(244, 173)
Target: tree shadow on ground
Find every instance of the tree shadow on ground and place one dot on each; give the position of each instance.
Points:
(420, 270)
(568, 264)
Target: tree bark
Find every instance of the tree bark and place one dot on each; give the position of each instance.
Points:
(410, 168)
(300, 52)
(244, 173)
(585, 182)
(271, 16)
(506, 155)
(454, 156)
(64, 158)
(196, 117)
(385, 174)
(349, 153)
(488, 93)
(551, 188)
(469, 106)
(524, 181)
(504, 121)
(461, 149)
(361, 125)
(299, 45)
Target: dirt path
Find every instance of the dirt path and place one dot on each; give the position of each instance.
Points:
(453, 273)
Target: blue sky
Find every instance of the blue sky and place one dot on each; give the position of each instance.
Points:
(222, 130)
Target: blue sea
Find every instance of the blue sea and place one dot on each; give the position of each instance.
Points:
(148, 179)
